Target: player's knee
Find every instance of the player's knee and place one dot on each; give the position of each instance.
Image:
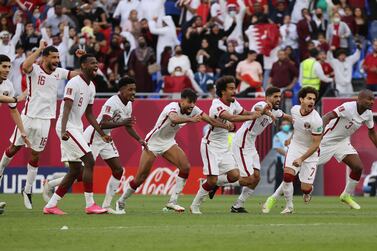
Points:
(211, 181)
(233, 177)
(288, 177)
(117, 173)
(306, 188)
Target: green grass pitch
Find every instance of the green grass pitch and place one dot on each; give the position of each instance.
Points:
(324, 224)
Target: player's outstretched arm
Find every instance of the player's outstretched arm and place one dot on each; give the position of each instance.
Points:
(312, 149)
(287, 117)
(27, 65)
(17, 120)
(79, 53)
(6, 99)
(92, 120)
(216, 123)
(328, 117)
(240, 118)
(175, 119)
(373, 136)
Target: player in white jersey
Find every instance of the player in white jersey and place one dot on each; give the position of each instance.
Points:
(339, 126)
(161, 141)
(40, 108)
(244, 150)
(7, 96)
(219, 164)
(302, 155)
(116, 112)
(78, 100)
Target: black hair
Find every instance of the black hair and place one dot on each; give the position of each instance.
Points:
(189, 94)
(85, 57)
(126, 80)
(222, 83)
(46, 51)
(313, 52)
(340, 52)
(271, 90)
(250, 52)
(210, 87)
(306, 90)
(4, 58)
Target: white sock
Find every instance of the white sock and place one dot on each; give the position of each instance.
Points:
(127, 193)
(201, 194)
(288, 193)
(53, 201)
(55, 182)
(245, 194)
(350, 186)
(111, 188)
(279, 192)
(89, 201)
(5, 160)
(180, 183)
(30, 177)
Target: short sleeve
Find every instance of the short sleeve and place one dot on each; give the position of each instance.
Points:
(317, 126)
(11, 94)
(196, 111)
(341, 111)
(171, 108)
(370, 122)
(216, 110)
(108, 109)
(258, 105)
(92, 95)
(279, 113)
(238, 108)
(33, 70)
(69, 91)
(63, 73)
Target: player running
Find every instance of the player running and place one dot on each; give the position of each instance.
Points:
(7, 96)
(161, 141)
(116, 112)
(78, 99)
(302, 155)
(244, 150)
(40, 108)
(219, 165)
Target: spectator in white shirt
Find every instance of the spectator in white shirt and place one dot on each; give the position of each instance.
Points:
(123, 10)
(8, 44)
(288, 33)
(151, 8)
(342, 66)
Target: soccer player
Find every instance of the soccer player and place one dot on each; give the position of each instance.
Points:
(116, 112)
(339, 125)
(78, 99)
(161, 142)
(244, 150)
(42, 85)
(6, 96)
(302, 155)
(219, 165)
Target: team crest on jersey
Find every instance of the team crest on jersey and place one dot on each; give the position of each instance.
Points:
(6, 93)
(307, 125)
(69, 91)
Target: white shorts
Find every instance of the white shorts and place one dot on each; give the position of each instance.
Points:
(307, 169)
(75, 147)
(216, 162)
(247, 159)
(105, 150)
(158, 148)
(36, 130)
(338, 150)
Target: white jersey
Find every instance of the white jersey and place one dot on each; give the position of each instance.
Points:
(347, 123)
(216, 136)
(165, 130)
(82, 94)
(246, 135)
(42, 92)
(304, 127)
(115, 110)
(6, 89)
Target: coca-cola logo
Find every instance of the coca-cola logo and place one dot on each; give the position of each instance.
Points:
(161, 181)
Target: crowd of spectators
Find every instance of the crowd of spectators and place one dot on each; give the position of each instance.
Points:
(168, 45)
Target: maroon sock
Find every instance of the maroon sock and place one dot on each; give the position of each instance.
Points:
(355, 175)
(117, 176)
(7, 153)
(207, 186)
(288, 177)
(88, 187)
(33, 163)
(183, 175)
(133, 185)
(61, 191)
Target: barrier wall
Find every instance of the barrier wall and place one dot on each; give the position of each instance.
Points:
(335, 173)
(146, 112)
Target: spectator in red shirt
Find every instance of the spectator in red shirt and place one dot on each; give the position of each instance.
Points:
(203, 10)
(327, 70)
(250, 6)
(284, 73)
(370, 67)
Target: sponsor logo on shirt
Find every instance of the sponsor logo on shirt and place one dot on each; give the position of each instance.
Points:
(307, 125)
